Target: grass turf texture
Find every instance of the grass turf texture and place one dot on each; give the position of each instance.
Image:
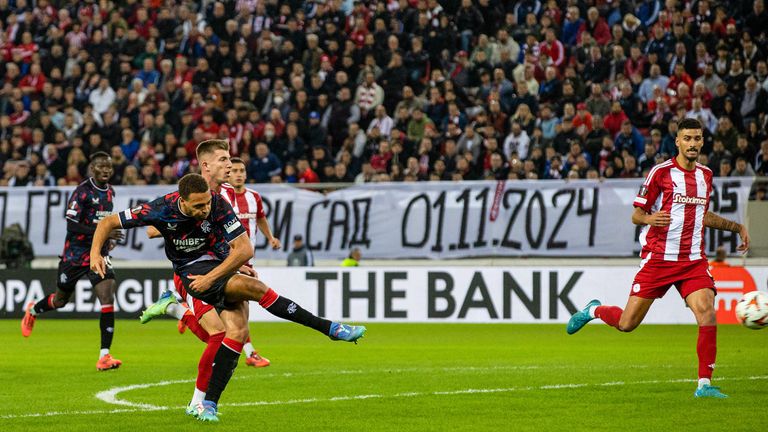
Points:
(404, 377)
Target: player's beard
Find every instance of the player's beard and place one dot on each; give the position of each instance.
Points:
(692, 158)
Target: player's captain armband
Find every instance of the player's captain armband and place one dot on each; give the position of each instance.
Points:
(231, 225)
(72, 210)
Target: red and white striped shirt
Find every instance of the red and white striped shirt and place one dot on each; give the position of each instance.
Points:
(248, 208)
(685, 195)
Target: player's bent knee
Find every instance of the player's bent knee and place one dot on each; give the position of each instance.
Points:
(61, 299)
(257, 288)
(238, 334)
(627, 326)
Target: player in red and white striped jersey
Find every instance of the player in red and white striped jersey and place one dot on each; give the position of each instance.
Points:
(673, 207)
(249, 209)
(247, 205)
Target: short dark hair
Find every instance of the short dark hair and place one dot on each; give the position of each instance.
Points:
(210, 146)
(235, 160)
(689, 123)
(192, 183)
(99, 155)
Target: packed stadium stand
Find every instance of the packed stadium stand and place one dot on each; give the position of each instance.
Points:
(366, 91)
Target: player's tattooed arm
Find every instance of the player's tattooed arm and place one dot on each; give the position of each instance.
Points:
(717, 222)
(720, 223)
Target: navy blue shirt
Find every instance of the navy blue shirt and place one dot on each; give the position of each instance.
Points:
(87, 205)
(186, 238)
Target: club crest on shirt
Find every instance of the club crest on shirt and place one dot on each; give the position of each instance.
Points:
(172, 226)
(95, 200)
(643, 191)
(206, 226)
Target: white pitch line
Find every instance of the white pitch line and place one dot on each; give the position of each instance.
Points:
(110, 396)
(370, 396)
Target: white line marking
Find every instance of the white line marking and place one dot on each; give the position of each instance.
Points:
(110, 396)
(145, 407)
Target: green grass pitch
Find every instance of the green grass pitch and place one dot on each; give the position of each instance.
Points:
(401, 377)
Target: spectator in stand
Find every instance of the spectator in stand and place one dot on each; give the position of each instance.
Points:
(264, 165)
(742, 169)
(346, 78)
(615, 119)
(304, 172)
(629, 139)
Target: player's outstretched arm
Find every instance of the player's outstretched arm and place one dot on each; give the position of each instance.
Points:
(240, 252)
(263, 225)
(153, 232)
(103, 230)
(717, 222)
(659, 219)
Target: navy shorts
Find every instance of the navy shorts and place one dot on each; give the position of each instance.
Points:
(215, 295)
(70, 273)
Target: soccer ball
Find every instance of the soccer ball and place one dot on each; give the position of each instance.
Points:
(752, 310)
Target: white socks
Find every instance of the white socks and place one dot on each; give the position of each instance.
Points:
(175, 310)
(248, 349)
(704, 381)
(592, 311)
(103, 352)
(197, 397)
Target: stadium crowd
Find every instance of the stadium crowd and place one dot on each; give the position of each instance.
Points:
(379, 90)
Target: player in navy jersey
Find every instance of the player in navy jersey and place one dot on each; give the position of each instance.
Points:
(90, 202)
(206, 243)
(200, 317)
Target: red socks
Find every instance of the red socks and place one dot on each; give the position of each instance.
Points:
(268, 299)
(233, 345)
(205, 366)
(609, 314)
(191, 322)
(706, 348)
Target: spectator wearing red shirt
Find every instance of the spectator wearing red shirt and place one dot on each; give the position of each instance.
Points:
(380, 161)
(595, 26)
(208, 126)
(635, 64)
(680, 76)
(582, 118)
(358, 34)
(143, 23)
(614, 119)
(34, 81)
(27, 48)
(235, 131)
(182, 72)
(305, 173)
(552, 48)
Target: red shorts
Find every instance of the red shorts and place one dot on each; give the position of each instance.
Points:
(197, 306)
(657, 276)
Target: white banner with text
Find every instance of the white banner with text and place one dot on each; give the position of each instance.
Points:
(410, 220)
